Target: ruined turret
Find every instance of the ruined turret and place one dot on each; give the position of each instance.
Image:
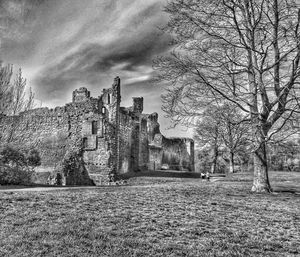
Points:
(80, 95)
(138, 104)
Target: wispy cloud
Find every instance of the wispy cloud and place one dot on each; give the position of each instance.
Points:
(122, 43)
(64, 44)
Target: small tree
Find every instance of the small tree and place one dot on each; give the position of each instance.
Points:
(13, 98)
(5, 87)
(18, 101)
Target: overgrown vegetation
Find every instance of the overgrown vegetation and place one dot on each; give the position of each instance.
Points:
(16, 168)
(74, 170)
(156, 216)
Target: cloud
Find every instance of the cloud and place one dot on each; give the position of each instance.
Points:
(65, 44)
(74, 42)
(126, 52)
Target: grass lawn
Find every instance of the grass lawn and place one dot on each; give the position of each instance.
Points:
(155, 216)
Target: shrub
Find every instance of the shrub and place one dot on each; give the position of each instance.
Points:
(15, 167)
(14, 175)
(12, 157)
(33, 158)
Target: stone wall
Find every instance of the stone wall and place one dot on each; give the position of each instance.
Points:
(107, 137)
(125, 141)
(143, 143)
(155, 152)
(49, 131)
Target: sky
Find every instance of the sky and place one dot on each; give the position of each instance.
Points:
(62, 45)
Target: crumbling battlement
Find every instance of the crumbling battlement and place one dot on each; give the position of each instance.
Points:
(110, 138)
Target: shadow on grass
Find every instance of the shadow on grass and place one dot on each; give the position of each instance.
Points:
(12, 187)
(286, 189)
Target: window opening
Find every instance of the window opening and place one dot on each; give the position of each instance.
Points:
(84, 142)
(94, 127)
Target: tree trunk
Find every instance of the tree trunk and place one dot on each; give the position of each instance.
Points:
(261, 182)
(214, 162)
(213, 168)
(231, 163)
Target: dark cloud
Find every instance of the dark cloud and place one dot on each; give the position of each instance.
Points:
(140, 51)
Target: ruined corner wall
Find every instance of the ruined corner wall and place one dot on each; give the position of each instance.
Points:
(142, 146)
(55, 132)
(101, 134)
(130, 141)
(178, 153)
(137, 131)
(155, 152)
(126, 138)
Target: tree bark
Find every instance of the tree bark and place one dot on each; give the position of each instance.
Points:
(231, 163)
(214, 162)
(261, 182)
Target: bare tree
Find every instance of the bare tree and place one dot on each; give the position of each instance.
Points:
(223, 125)
(244, 51)
(18, 102)
(29, 104)
(5, 87)
(207, 133)
(13, 97)
(234, 131)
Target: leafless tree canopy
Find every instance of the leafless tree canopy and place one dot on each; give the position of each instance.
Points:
(5, 87)
(246, 52)
(13, 98)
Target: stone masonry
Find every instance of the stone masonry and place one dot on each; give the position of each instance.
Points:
(110, 139)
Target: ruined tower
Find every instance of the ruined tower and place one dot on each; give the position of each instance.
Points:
(80, 95)
(138, 104)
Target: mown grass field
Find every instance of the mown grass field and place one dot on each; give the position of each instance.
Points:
(155, 216)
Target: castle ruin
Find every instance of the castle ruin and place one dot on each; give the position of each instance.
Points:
(111, 139)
